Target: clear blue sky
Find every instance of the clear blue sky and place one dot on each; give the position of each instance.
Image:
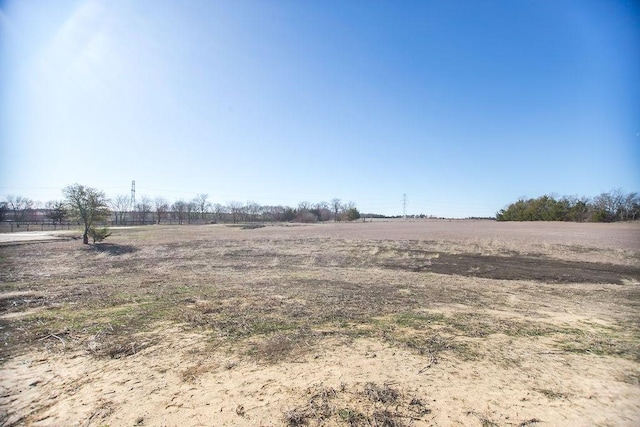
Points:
(462, 105)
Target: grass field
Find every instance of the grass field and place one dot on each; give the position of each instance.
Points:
(362, 324)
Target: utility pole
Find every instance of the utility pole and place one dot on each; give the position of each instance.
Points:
(404, 206)
(133, 194)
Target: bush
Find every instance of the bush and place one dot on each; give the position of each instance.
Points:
(99, 234)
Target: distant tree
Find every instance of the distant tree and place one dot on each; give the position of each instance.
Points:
(235, 209)
(253, 211)
(179, 208)
(631, 207)
(19, 205)
(305, 213)
(144, 209)
(322, 211)
(202, 205)
(219, 211)
(352, 214)
(192, 211)
(120, 205)
(336, 205)
(577, 209)
(161, 207)
(606, 207)
(88, 205)
(288, 214)
(56, 211)
(3, 211)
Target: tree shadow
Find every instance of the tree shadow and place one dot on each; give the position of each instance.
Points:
(114, 249)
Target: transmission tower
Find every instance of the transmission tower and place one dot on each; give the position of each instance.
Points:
(404, 206)
(133, 193)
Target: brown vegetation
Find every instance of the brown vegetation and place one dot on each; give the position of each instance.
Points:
(468, 323)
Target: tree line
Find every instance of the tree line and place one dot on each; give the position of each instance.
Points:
(611, 206)
(122, 210)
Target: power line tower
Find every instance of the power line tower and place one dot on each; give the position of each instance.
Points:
(133, 194)
(404, 206)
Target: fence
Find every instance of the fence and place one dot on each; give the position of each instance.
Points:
(14, 227)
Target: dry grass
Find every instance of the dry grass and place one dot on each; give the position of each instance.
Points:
(273, 294)
(277, 292)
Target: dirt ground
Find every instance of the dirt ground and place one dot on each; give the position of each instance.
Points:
(414, 323)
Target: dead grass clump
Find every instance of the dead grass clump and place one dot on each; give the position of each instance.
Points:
(385, 418)
(296, 417)
(282, 345)
(433, 346)
(193, 372)
(383, 394)
(551, 394)
(383, 406)
(111, 342)
(318, 407)
(116, 347)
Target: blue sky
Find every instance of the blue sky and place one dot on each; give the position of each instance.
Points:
(464, 106)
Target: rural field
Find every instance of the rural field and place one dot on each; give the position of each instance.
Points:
(397, 323)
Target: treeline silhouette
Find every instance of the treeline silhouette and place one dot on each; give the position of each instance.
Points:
(612, 206)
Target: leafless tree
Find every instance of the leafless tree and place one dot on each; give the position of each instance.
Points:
(192, 211)
(179, 208)
(235, 209)
(253, 211)
(19, 206)
(120, 205)
(631, 206)
(202, 204)
(144, 209)
(219, 211)
(4, 208)
(322, 211)
(305, 213)
(161, 206)
(336, 205)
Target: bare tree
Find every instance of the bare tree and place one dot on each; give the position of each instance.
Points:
(192, 211)
(235, 208)
(631, 207)
(253, 210)
(304, 213)
(143, 208)
(336, 205)
(179, 208)
(161, 206)
(4, 208)
(322, 211)
(202, 205)
(120, 205)
(219, 211)
(20, 206)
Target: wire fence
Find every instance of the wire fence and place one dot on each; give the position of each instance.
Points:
(15, 227)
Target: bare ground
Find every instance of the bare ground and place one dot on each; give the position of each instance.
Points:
(390, 323)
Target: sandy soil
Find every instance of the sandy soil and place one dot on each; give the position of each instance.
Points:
(183, 376)
(150, 389)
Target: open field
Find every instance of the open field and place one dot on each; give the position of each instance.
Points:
(363, 324)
